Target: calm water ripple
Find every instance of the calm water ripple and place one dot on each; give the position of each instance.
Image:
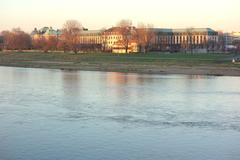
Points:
(53, 114)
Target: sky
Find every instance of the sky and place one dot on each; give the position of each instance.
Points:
(97, 14)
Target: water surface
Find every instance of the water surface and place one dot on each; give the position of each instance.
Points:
(53, 114)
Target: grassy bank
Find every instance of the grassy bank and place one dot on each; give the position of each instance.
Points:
(216, 64)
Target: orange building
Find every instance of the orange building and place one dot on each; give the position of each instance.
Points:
(112, 41)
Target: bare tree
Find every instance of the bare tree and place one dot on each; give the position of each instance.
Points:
(145, 35)
(189, 33)
(22, 39)
(71, 33)
(221, 42)
(6, 36)
(16, 39)
(62, 45)
(52, 43)
(38, 43)
(125, 28)
(45, 44)
(211, 44)
(104, 39)
(236, 43)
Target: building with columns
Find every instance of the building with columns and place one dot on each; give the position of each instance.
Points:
(188, 40)
(90, 40)
(197, 39)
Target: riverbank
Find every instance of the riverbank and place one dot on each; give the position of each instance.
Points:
(153, 63)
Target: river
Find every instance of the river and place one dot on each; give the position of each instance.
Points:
(80, 115)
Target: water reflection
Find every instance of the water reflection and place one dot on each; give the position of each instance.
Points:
(121, 86)
(71, 83)
(53, 114)
(199, 77)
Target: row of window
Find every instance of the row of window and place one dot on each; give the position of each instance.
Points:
(184, 39)
(99, 38)
(190, 33)
(111, 42)
(113, 37)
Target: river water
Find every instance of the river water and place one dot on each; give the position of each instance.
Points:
(80, 115)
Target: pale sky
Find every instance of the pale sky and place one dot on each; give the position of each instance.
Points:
(96, 14)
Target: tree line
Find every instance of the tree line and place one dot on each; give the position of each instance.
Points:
(143, 34)
(16, 39)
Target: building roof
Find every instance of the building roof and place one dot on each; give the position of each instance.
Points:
(113, 29)
(46, 30)
(35, 31)
(164, 30)
(91, 32)
(183, 30)
(51, 31)
(194, 30)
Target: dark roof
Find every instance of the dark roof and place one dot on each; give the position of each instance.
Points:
(47, 30)
(194, 30)
(91, 32)
(182, 30)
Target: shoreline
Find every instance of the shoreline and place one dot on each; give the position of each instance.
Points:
(168, 70)
(161, 63)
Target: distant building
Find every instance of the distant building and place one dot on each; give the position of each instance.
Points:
(110, 40)
(46, 33)
(196, 39)
(119, 48)
(90, 40)
(236, 34)
(231, 41)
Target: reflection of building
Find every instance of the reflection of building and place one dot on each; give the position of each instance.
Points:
(116, 78)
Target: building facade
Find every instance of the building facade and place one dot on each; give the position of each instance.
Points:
(46, 33)
(194, 39)
(90, 40)
(230, 41)
(110, 40)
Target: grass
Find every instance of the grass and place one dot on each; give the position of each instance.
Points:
(142, 63)
(159, 58)
(110, 56)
